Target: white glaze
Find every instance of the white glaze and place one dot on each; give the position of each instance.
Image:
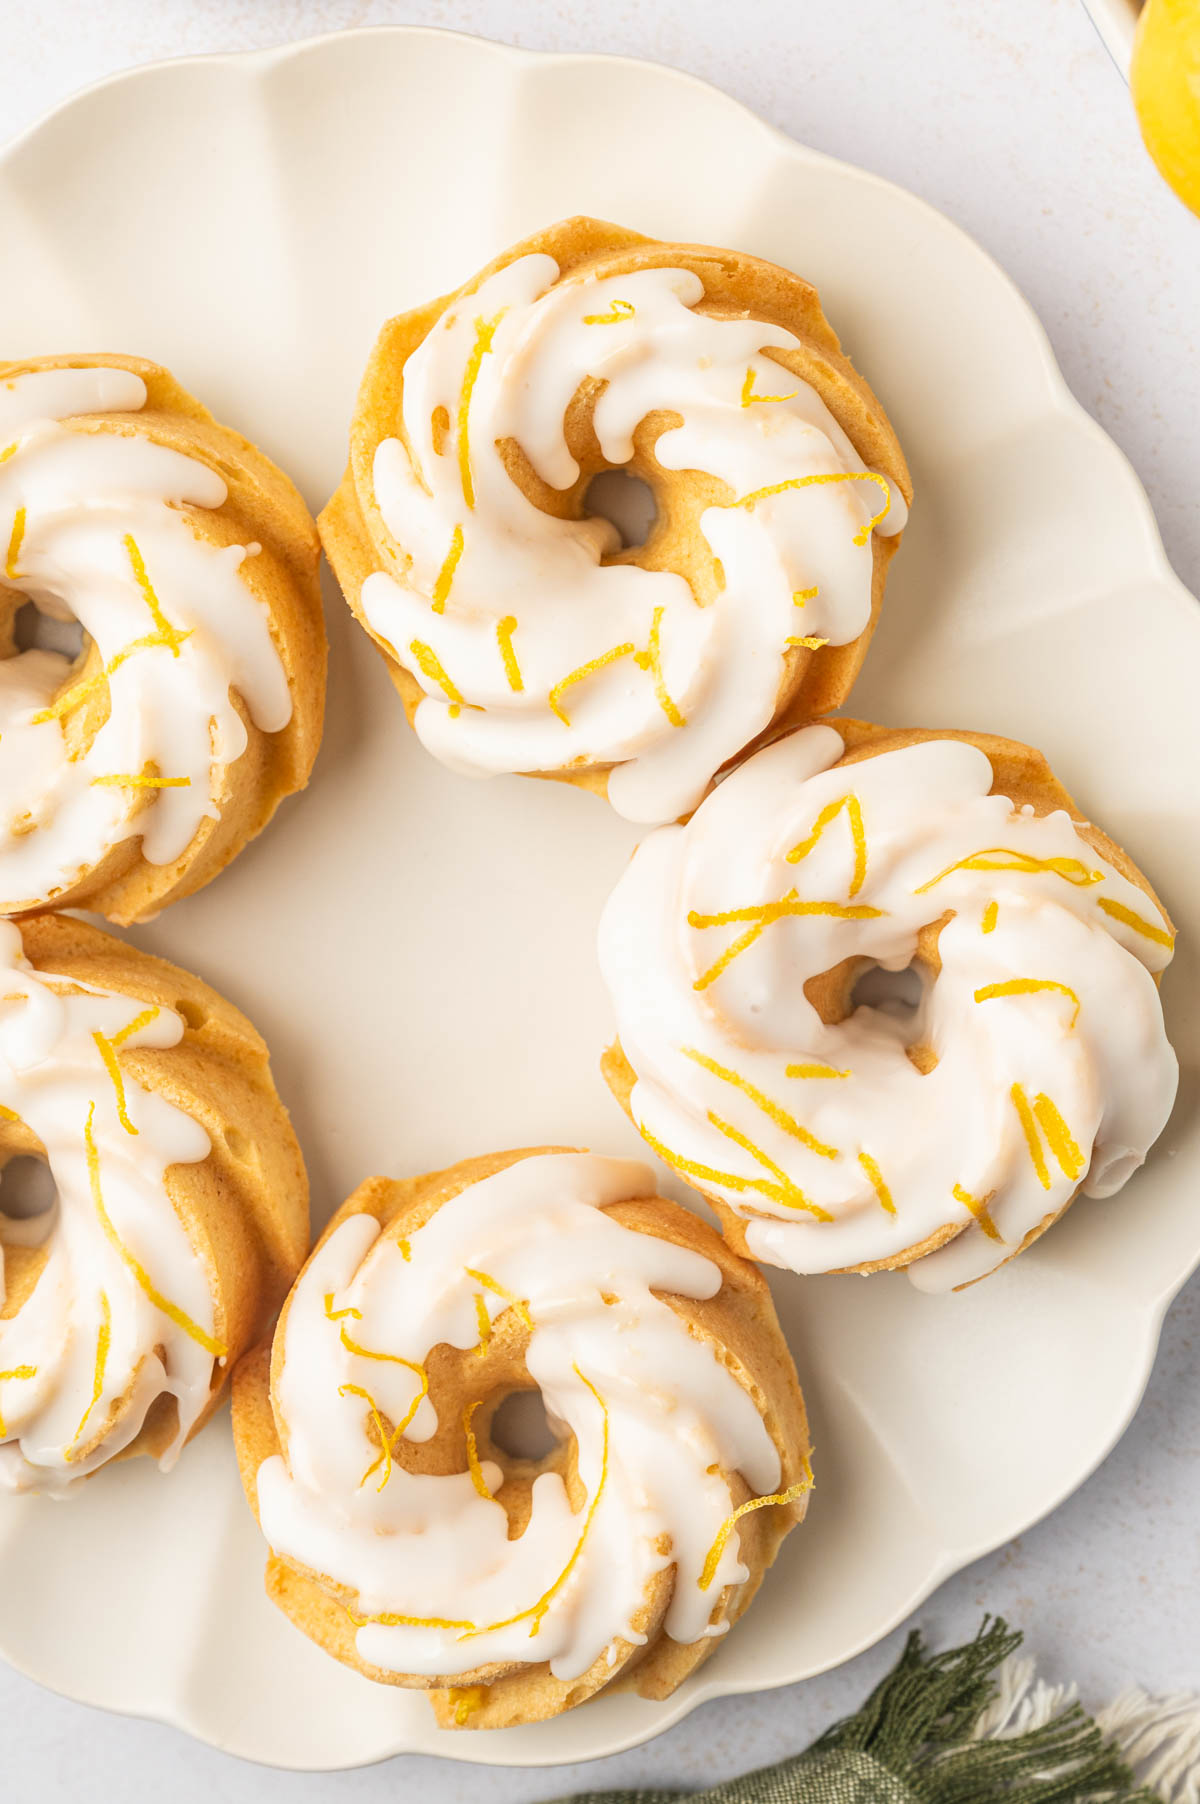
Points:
(85, 494)
(53, 1076)
(722, 665)
(1112, 1075)
(434, 1547)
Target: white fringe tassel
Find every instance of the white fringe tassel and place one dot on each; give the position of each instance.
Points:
(1158, 1737)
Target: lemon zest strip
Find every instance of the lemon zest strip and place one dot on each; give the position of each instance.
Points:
(771, 1109)
(484, 332)
(104, 1047)
(813, 1070)
(9, 451)
(988, 924)
(620, 310)
(171, 1310)
(129, 781)
(1027, 986)
(385, 1459)
(14, 544)
(476, 1470)
(881, 1190)
(829, 814)
(713, 1559)
(1003, 858)
(978, 1205)
(749, 398)
(1032, 1140)
(788, 1193)
(430, 665)
(135, 1026)
(504, 635)
(445, 576)
(483, 1323)
(79, 692)
(1059, 1137)
(627, 650)
(17, 1372)
(1119, 912)
(811, 641)
(800, 596)
(763, 915)
(520, 1304)
(730, 1180)
(806, 482)
(651, 660)
(170, 636)
(103, 1343)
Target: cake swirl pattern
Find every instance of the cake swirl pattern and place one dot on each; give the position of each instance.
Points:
(527, 1270)
(111, 497)
(124, 1304)
(832, 1136)
(538, 644)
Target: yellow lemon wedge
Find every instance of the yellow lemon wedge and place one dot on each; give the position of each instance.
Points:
(1165, 80)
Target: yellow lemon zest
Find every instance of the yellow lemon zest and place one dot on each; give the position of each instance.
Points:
(504, 635)
(484, 332)
(858, 835)
(405, 1250)
(476, 1470)
(104, 1047)
(169, 635)
(627, 650)
(171, 1310)
(430, 666)
(129, 781)
(778, 1115)
(17, 1372)
(762, 915)
(489, 1283)
(810, 641)
(786, 1192)
(713, 1559)
(1002, 858)
(103, 1344)
(9, 451)
(135, 1026)
(385, 1443)
(445, 576)
(1032, 1139)
(800, 596)
(1119, 912)
(537, 1610)
(467, 1700)
(79, 692)
(813, 1070)
(807, 482)
(651, 660)
(1027, 986)
(7, 1114)
(978, 1205)
(1059, 1137)
(14, 544)
(749, 398)
(620, 310)
(988, 924)
(483, 1323)
(877, 1184)
(689, 1168)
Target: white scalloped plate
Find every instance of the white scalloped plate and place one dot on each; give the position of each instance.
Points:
(418, 949)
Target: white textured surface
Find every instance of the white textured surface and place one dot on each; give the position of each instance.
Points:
(1026, 143)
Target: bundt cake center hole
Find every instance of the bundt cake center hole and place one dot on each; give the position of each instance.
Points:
(27, 1189)
(626, 501)
(38, 629)
(521, 1427)
(896, 993)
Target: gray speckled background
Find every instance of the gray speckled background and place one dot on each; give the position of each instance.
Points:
(1012, 120)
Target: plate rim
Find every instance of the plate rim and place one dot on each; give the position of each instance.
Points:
(1149, 1312)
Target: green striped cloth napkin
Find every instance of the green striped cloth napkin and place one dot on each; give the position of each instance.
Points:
(974, 1726)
